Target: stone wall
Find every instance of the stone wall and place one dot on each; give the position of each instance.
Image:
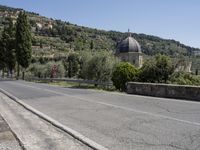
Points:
(164, 90)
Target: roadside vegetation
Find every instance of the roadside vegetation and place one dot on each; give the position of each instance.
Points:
(82, 57)
(158, 69)
(15, 46)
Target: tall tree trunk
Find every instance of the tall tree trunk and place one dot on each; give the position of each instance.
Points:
(17, 71)
(11, 73)
(196, 72)
(8, 73)
(23, 75)
(3, 73)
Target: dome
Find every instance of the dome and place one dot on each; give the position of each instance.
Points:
(129, 45)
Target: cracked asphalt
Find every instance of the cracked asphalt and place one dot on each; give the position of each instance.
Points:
(115, 120)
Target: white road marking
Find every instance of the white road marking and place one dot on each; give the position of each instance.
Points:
(130, 95)
(115, 106)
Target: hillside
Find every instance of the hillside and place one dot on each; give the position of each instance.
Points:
(55, 38)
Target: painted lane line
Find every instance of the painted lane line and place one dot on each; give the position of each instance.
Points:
(116, 106)
(57, 124)
(124, 94)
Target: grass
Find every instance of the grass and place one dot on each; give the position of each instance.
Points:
(78, 85)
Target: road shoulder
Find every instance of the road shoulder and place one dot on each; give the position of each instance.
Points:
(7, 139)
(33, 132)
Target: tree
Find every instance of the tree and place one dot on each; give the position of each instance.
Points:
(92, 45)
(72, 65)
(2, 56)
(23, 42)
(57, 73)
(164, 67)
(7, 45)
(100, 66)
(84, 59)
(148, 71)
(10, 55)
(157, 69)
(123, 73)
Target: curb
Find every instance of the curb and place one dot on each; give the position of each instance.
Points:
(57, 124)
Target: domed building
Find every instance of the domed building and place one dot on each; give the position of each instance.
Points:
(129, 50)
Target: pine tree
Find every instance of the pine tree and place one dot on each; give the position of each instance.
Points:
(23, 42)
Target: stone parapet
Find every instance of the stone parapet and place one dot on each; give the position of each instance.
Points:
(164, 90)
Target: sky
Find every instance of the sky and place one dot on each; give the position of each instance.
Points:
(170, 19)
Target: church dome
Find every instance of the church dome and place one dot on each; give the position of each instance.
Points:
(129, 45)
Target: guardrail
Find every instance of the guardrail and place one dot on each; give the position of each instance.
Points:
(79, 81)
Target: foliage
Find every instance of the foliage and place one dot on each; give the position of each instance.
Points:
(85, 57)
(72, 65)
(55, 44)
(2, 53)
(70, 36)
(45, 70)
(86, 65)
(100, 66)
(7, 45)
(59, 71)
(123, 73)
(183, 78)
(23, 40)
(37, 70)
(9, 40)
(157, 69)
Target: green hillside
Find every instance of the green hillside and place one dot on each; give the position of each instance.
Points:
(55, 38)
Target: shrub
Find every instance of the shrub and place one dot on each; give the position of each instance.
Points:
(123, 73)
(37, 70)
(184, 78)
(100, 66)
(84, 60)
(157, 69)
(97, 66)
(45, 70)
(59, 71)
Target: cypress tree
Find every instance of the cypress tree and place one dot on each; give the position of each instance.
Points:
(2, 55)
(9, 40)
(92, 45)
(7, 52)
(23, 42)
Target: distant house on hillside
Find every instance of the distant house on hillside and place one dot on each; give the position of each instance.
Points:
(39, 25)
(129, 50)
(47, 25)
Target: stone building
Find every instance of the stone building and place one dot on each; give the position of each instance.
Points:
(183, 66)
(129, 50)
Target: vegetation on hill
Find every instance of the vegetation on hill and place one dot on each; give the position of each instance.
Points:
(60, 36)
(60, 49)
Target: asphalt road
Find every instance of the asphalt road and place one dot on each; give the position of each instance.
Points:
(115, 120)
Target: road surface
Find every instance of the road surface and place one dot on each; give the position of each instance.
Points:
(117, 121)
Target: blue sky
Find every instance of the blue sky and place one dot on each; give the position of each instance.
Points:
(171, 19)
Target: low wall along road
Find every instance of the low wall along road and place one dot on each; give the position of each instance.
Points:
(164, 90)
